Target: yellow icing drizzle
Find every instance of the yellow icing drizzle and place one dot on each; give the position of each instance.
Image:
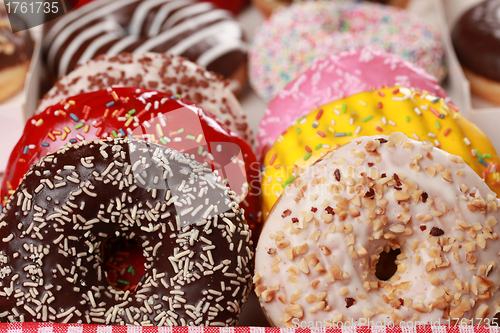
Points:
(419, 115)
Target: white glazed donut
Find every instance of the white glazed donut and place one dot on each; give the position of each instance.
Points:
(317, 255)
(163, 72)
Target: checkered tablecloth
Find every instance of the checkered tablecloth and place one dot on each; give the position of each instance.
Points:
(80, 328)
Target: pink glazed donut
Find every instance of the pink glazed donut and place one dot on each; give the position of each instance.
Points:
(293, 37)
(338, 76)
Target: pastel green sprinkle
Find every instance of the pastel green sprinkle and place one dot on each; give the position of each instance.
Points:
(319, 146)
(190, 137)
(349, 133)
(438, 125)
(114, 134)
(478, 153)
(298, 130)
(122, 281)
(344, 108)
(486, 156)
(180, 131)
(131, 111)
(308, 155)
(130, 269)
(283, 185)
(407, 119)
(249, 187)
(200, 150)
(365, 119)
(162, 140)
(289, 180)
(79, 125)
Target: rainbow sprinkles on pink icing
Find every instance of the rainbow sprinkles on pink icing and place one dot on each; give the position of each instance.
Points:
(287, 44)
(335, 77)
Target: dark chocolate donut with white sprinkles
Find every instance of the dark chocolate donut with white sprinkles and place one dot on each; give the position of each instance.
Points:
(197, 247)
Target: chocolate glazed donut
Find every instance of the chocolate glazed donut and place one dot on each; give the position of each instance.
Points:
(16, 50)
(195, 30)
(193, 235)
(476, 38)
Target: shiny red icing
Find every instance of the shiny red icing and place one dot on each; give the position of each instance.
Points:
(142, 114)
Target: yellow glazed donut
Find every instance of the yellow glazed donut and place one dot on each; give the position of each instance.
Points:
(418, 115)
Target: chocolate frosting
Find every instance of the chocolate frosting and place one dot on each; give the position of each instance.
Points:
(476, 38)
(198, 31)
(193, 235)
(15, 48)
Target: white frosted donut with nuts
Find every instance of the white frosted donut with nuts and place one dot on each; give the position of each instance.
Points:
(317, 255)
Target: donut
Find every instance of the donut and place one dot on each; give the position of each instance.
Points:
(197, 30)
(267, 7)
(336, 76)
(16, 50)
(417, 114)
(234, 6)
(167, 73)
(318, 253)
(476, 41)
(197, 248)
(288, 43)
(141, 114)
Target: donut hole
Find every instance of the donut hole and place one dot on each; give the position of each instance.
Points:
(386, 266)
(123, 263)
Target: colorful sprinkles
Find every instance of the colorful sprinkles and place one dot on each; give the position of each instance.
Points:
(337, 127)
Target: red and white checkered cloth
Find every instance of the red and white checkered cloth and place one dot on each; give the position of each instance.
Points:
(82, 328)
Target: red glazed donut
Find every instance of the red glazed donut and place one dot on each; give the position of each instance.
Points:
(197, 248)
(196, 30)
(142, 114)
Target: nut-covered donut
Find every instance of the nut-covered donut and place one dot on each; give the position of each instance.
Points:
(192, 233)
(197, 30)
(142, 114)
(163, 72)
(16, 50)
(317, 256)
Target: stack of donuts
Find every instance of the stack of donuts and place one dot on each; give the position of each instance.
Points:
(138, 195)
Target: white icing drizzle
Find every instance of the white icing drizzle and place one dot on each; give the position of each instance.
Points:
(171, 18)
(163, 13)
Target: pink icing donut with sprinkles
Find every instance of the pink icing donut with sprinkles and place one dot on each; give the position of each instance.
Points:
(289, 42)
(338, 76)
